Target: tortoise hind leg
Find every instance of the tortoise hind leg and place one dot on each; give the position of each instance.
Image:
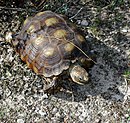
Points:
(50, 84)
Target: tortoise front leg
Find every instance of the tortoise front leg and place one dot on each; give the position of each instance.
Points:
(86, 62)
(49, 83)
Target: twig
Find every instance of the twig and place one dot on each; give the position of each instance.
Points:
(76, 14)
(17, 9)
(126, 90)
(78, 49)
(126, 83)
(82, 51)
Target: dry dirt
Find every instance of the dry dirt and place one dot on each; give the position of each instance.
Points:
(106, 99)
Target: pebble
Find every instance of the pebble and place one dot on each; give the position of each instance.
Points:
(84, 23)
(124, 30)
(54, 110)
(42, 113)
(97, 120)
(8, 36)
(20, 121)
(127, 115)
(79, 21)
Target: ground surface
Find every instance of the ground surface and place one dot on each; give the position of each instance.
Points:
(104, 100)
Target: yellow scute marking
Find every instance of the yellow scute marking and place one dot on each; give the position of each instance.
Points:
(80, 38)
(60, 33)
(39, 39)
(51, 21)
(40, 13)
(35, 69)
(48, 51)
(28, 64)
(23, 57)
(31, 29)
(26, 21)
(69, 47)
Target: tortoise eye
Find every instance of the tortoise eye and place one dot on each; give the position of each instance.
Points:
(80, 78)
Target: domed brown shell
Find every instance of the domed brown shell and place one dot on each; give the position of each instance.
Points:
(47, 43)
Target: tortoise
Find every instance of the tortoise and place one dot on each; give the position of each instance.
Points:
(51, 45)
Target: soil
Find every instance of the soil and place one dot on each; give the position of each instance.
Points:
(105, 99)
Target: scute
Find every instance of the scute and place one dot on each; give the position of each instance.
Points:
(47, 43)
(69, 47)
(51, 21)
(61, 33)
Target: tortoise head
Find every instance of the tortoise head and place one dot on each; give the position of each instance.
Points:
(79, 75)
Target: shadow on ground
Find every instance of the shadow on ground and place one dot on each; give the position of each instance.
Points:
(106, 77)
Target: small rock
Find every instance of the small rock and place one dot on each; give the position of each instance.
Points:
(97, 120)
(84, 23)
(125, 30)
(54, 110)
(79, 21)
(8, 36)
(127, 115)
(20, 121)
(42, 113)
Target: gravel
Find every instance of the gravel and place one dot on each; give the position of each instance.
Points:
(105, 99)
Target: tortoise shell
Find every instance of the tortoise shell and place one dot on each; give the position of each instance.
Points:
(49, 43)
